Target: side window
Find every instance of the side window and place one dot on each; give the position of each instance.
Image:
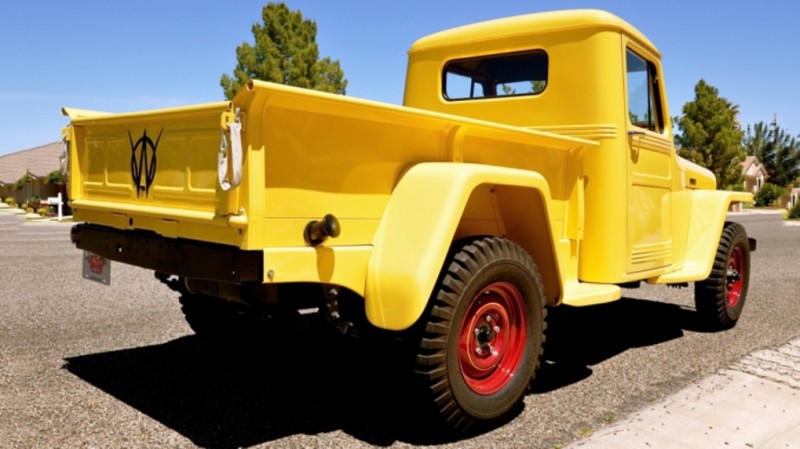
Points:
(644, 101)
(495, 76)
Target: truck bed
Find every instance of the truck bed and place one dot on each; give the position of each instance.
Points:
(305, 154)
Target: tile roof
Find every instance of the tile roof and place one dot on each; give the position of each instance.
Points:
(40, 161)
(751, 167)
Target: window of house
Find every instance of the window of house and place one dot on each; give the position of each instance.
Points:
(496, 76)
(644, 100)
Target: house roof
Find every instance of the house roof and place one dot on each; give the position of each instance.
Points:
(40, 161)
(751, 167)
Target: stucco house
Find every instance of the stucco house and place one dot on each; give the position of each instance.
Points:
(754, 174)
(792, 197)
(37, 163)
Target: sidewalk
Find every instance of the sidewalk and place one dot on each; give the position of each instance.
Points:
(754, 403)
(5, 210)
(782, 212)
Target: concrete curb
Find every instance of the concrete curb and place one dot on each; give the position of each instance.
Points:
(754, 403)
(783, 212)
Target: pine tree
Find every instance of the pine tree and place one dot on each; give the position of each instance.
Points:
(776, 149)
(710, 135)
(286, 52)
(755, 140)
(781, 157)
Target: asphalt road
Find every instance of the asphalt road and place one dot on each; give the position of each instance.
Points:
(86, 365)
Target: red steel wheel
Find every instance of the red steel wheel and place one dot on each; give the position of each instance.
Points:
(492, 337)
(734, 277)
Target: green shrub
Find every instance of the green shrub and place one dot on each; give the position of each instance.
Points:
(55, 177)
(768, 194)
(43, 211)
(739, 187)
(795, 212)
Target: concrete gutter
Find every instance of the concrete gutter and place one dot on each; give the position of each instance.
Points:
(754, 403)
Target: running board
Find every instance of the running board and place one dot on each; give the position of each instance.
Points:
(587, 294)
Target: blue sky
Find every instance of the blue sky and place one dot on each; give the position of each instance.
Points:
(121, 56)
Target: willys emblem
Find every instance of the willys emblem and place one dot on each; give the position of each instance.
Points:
(143, 162)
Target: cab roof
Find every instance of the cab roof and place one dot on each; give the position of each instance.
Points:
(531, 24)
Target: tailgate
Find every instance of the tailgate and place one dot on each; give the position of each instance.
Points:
(154, 170)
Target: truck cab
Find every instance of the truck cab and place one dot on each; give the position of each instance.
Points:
(585, 74)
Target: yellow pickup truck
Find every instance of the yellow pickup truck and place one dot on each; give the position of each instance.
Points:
(531, 165)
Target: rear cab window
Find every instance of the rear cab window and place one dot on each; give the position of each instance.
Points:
(493, 76)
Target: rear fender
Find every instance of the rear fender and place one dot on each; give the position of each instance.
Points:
(421, 220)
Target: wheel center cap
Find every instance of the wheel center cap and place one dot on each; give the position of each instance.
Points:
(484, 335)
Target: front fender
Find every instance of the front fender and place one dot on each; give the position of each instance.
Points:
(703, 228)
(417, 229)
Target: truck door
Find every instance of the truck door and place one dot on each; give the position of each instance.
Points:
(649, 167)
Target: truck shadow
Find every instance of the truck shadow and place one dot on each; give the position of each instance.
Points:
(309, 383)
(580, 337)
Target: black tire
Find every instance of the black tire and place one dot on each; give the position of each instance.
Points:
(490, 299)
(214, 320)
(720, 298)
(222, 323)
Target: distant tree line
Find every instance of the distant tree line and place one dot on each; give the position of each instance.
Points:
(709, 135)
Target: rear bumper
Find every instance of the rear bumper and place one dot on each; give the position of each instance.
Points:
(182, 257)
